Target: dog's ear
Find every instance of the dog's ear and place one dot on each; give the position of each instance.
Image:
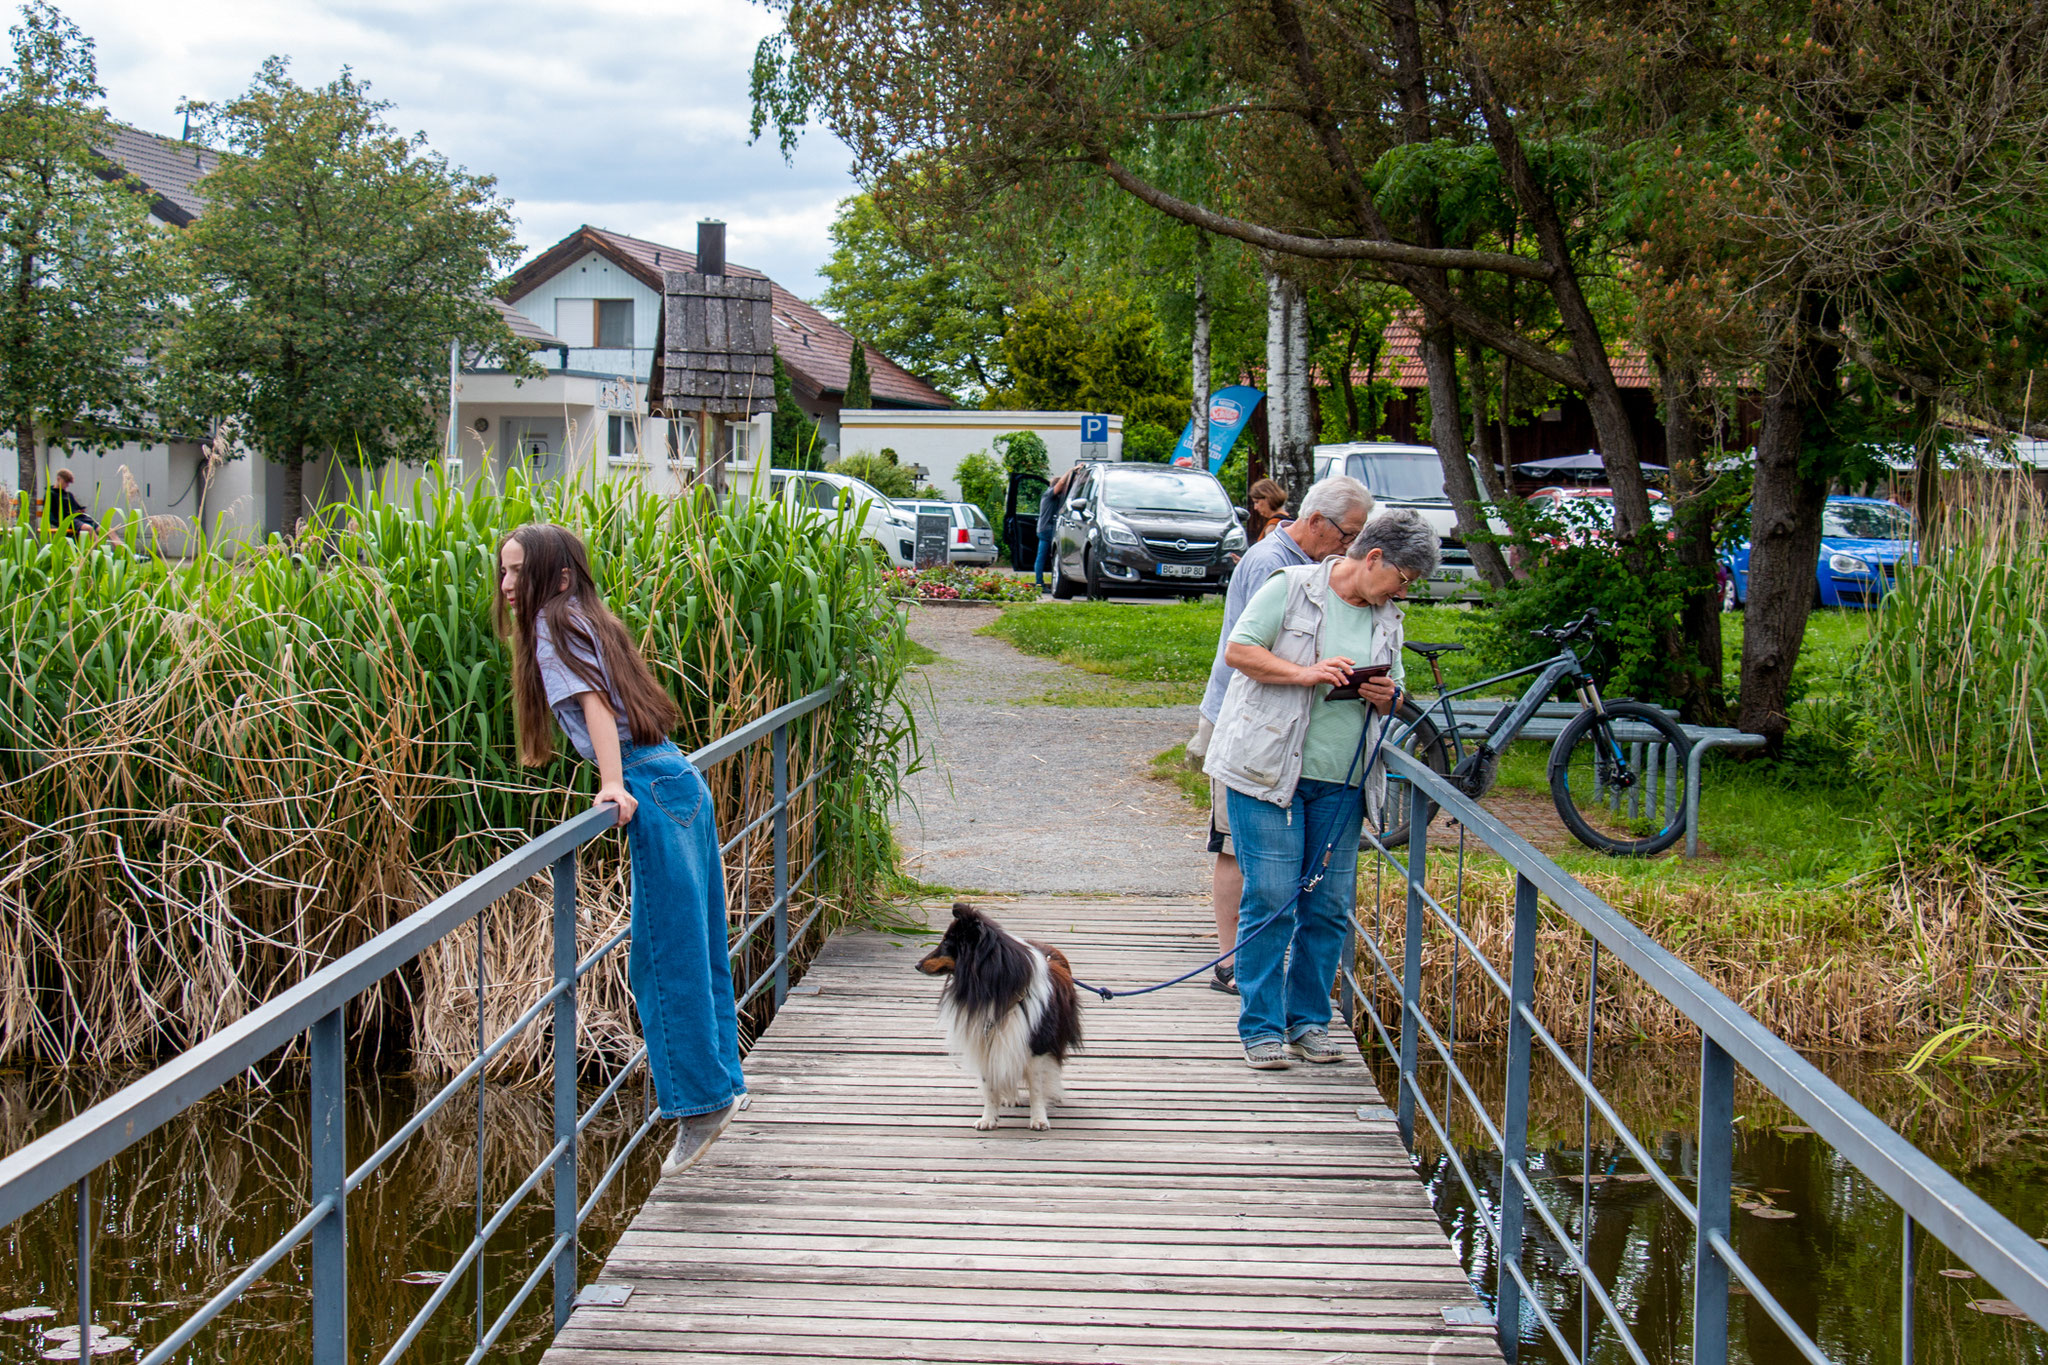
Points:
(962, 910)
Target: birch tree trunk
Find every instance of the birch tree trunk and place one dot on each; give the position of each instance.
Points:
(1302, 405)
(1200, 358)
(1289, 458)
(25, 443)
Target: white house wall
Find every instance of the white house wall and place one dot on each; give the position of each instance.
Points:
(594, 277)
(940, 440)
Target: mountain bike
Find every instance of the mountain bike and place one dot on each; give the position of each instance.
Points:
(1593, 775)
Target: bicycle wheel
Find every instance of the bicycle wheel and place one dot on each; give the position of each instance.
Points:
(1606, 793)
(1417, 734)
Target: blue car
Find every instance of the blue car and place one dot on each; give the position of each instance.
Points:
(1862, 543)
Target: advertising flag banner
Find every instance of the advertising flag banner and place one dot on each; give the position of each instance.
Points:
(1230, 410)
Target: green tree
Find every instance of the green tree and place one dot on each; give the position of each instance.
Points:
(860, 388)
(1098, 352)
(85, 286)
(1149, 442)
(1023, 452)
(938, 316)
(983, 483)
(336, 262)
(879, 472)
(795, 434)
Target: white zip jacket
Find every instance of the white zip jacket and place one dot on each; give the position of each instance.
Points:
(1260, 732)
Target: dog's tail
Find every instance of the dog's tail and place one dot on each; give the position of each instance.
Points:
(1059, 1032)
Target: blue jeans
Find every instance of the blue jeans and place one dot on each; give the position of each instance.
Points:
(682, 982)
(1044, 553)
(1285, 972)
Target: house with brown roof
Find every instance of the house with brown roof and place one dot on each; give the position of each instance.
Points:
(596, 297)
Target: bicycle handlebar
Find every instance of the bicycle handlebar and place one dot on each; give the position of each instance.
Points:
(1583, 626)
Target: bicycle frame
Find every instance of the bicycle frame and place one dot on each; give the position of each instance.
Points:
(1501, 731)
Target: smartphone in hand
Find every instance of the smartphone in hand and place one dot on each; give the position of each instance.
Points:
(1348, 689)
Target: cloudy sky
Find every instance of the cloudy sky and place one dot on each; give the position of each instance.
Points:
(625, 114)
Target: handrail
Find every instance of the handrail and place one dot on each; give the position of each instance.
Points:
(66, 1156)
(2005, 1256)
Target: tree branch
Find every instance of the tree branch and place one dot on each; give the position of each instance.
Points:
(1318, 248)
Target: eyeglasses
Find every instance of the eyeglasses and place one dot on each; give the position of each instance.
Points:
(1406, 578)
(1344, 537)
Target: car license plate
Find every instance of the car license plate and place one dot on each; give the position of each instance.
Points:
(1446, 576)
(1182, 570)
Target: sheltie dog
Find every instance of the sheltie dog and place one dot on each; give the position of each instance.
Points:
(1010, 1012)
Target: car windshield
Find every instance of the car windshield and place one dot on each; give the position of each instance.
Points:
(1163, 490)
(1399, 476)
(1867, 521)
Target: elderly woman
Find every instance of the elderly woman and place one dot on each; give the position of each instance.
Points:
(1290, 761)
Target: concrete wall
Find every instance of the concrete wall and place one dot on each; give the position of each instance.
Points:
(940, 440)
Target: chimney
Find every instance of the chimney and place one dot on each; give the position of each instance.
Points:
(710, 247)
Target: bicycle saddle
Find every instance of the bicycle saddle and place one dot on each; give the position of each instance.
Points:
(1429, 651)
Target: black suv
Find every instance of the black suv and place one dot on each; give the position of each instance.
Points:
(1143, 528)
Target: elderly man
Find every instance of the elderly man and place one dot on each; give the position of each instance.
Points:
(1301, 771)
(1331, 514)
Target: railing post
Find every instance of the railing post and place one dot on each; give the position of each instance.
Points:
(84, 1269)
(1715, 1192)
(1906, 1323)
(780, 748)
(565, 1087)
(330, 1176)
(1514, 1126)
(1411, 965)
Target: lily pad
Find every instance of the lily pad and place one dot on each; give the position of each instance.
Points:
(1954, 1274)
(101, 1346)
(423, 1277)
(1998, 1308)
(1770, 1213)
(32, 1313)
(1795, 1130)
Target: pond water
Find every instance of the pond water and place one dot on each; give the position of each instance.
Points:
(184, 1211)
(1820, 1236)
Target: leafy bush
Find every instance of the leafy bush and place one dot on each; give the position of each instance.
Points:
(880, 472)
(983, 483)
(1953, 707)
(1573, 566)
(1023, 452)
(219, 774)
(1150, 442)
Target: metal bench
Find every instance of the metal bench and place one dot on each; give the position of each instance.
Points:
(1661, 770)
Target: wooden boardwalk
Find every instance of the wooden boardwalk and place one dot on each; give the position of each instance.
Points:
(1182, 1209)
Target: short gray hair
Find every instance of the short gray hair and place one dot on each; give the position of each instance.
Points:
(1334, 497)
(1403, 539)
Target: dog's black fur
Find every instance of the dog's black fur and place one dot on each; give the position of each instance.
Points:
(1010, 1008)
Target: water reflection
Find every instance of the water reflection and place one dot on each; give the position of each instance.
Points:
(184, 1211)
(1822, 1238)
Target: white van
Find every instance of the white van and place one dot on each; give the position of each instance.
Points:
(818, 493)
(1413, 477)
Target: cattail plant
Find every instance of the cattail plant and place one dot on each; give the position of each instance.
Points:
(219, 773)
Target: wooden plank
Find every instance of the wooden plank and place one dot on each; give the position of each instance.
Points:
(1182, 1208)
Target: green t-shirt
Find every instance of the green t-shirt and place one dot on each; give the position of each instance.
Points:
(1329, 750)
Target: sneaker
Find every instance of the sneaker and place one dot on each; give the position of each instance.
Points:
(695, 1135)
(1314, 1046)
(1265, 1055)
(1224, 980)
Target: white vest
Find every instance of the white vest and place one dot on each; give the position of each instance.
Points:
(1260, 732)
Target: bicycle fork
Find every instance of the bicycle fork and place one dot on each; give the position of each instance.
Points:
(1614, 760)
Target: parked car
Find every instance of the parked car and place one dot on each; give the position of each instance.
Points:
(807, 493)
(1588, 513)
(970, 541)
(1413, 477)
(1863, 541)
(1145, 528)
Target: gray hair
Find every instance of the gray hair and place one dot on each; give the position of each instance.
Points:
(1403, 539)
(1335, 497)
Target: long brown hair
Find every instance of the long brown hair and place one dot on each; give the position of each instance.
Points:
(1265, 490)
(555, 585)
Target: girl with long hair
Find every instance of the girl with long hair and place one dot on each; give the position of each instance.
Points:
(1268, 504)
(574, 666)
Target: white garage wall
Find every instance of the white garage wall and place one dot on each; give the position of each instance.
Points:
(940, 440)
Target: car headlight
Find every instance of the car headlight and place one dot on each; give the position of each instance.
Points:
(1233, 539)
(1841, 563)
(1119, 534)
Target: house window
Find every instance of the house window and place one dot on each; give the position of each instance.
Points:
(573, 321)
(615, 324)
(624, 434)
(742, 441)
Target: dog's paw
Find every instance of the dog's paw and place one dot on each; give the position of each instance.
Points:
(1040, 1125)
(982, 1125)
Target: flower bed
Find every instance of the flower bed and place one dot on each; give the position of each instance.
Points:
(951, 583)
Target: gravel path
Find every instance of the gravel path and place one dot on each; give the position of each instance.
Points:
(1039, 798)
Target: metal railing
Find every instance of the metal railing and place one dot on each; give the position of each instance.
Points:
(1931, 1200)
(67, 1156)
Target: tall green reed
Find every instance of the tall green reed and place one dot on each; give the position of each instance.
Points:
(217, 773)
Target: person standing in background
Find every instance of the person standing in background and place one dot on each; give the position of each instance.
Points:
(1268, 503)
(1048, 517)
(1332, 514)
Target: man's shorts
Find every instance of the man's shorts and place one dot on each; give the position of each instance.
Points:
(1219, 819)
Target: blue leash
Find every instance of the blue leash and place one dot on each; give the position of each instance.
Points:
(1307, 883)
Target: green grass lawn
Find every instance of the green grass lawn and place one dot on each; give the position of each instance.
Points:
(1796, 822)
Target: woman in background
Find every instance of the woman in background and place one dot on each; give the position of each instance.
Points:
(1268, 506)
